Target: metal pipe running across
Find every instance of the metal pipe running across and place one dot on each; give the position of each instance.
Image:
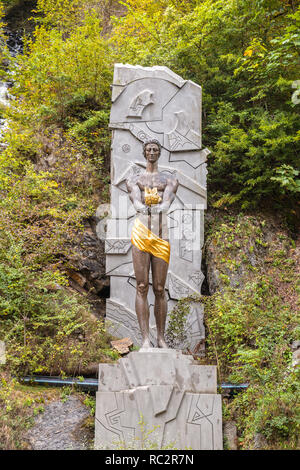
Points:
(91, 384)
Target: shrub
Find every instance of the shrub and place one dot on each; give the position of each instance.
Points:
(45, 328)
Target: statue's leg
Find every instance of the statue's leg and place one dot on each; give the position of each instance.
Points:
(141, 265)
(159, 274)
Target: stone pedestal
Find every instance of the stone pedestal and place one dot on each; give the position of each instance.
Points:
(158, 398)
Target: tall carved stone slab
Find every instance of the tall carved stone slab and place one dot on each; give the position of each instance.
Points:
(156, 103)
(162, 391)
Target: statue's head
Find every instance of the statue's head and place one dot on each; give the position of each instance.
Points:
(152, 150)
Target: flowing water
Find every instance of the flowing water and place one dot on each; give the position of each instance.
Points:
(4, 101)
(15, 46)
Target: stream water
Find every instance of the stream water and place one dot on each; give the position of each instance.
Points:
(4, 101)
(15, 46)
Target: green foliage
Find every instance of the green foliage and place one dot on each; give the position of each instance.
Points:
(62, 15)
(3, 47)
(42, 208)
(67, 87)
(245, 55)
(177, 322)
(252, 323)
(270, 411)
(44, 327)
(18, 406)
(90, 402)
(286, 177)
(75, 74)
(175, 333)
(251, 329)
(54, 173)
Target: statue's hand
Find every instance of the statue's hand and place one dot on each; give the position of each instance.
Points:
(143, 210)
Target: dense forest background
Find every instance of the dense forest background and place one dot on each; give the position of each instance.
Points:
(55, 172)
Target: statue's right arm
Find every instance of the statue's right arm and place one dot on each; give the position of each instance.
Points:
(135, 196)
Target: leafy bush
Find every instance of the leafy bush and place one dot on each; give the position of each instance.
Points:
(252, 324)
(45, 328)
(245, 55)
(52, 178)
(63, 80)
(271, 412)
(3, 48)
(18, 407)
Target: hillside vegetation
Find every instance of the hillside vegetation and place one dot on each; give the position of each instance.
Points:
(55, 171)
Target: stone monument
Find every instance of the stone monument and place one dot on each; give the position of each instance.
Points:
(154, 103)
(156, 397)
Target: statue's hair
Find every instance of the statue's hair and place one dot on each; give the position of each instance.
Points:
(151, 141)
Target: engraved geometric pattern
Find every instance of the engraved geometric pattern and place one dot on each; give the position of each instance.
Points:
(175, 397)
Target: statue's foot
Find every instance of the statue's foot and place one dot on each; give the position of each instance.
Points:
(161, 343)
(146, 344)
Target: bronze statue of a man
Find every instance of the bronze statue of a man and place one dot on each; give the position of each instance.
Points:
(151, 193)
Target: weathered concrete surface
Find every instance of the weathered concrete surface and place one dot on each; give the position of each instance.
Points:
(162, 391)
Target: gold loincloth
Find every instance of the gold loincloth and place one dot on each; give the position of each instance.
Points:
(147, 241)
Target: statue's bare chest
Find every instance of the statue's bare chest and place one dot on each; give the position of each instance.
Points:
(158, 181)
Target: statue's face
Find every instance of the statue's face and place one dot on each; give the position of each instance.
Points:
(152, 152)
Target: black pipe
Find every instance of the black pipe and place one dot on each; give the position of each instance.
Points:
(85, 384)
(89, 384)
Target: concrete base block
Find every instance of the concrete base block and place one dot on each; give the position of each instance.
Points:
(158, 398)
